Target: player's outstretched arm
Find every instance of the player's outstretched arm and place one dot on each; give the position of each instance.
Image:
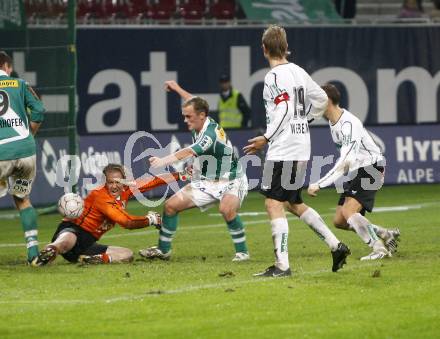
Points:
(119, 216)
(348, 152)
(144, 185)
(351, 141)
(171, 85)
(317, 96)
(255, 144)
(150, 182)
(273, 128)
(182, 154)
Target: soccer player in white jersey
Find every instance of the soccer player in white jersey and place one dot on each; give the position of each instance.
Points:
(217, 177)
(286, 87)
(362, 161)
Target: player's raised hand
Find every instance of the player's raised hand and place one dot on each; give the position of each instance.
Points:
(171, 85)
(313, 190)
(155, 162)
(255, 144)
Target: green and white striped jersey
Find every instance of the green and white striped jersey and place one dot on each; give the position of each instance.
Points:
(16, 139)
(215, 155)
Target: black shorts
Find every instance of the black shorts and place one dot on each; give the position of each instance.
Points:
(283, 185)
(354, 189)
(85, 243)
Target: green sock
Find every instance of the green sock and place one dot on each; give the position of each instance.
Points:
(28, 218)
(169, 226)
(236, 229)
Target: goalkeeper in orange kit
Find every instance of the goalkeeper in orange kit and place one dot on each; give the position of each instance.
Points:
(76, 239)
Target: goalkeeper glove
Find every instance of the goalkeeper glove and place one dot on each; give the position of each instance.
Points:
(154, 219)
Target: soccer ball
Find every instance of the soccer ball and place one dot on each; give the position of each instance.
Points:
(71, 205)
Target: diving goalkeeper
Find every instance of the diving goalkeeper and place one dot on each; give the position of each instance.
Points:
(76, 240)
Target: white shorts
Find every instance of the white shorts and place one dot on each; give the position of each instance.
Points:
(17, 176)
(204, 193)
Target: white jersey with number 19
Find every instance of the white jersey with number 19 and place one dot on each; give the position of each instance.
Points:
(286, 88)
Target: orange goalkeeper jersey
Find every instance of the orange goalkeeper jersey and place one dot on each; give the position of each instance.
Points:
(102, 210)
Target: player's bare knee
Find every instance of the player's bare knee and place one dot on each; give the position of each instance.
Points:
(22, 203)
(273, 205)
(169, 208)
(227, 212)
(347, 212)
(65, 242)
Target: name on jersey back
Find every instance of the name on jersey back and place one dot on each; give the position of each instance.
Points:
(299, 127)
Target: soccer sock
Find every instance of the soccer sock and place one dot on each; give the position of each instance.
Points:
(280, 234)
(236, 230)
(363, 228)
(315, 222)
(28, 218)
(169, 226)
(380, 231)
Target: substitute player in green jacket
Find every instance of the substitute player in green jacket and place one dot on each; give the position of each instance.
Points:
(217, 177)
(17, 147)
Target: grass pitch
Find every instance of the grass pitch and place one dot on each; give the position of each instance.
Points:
(200, 293)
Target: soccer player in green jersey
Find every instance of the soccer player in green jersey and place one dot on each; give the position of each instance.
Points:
(17, 147)
(217, 177)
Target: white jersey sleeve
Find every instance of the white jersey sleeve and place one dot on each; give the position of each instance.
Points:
(277, 105)
(349, 149)
(357, 148)
(316, 96)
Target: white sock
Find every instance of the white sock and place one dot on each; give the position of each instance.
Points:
(363, 228)
(315, 222)
(280, 234)
(380, 231)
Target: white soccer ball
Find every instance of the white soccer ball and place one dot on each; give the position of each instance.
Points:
(71, 205)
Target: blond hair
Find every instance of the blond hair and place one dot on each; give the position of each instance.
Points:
(199, 104)
(275, 41)
(114, 168)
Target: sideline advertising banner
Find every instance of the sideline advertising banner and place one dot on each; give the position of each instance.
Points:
(387, 75)
(412, 156)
